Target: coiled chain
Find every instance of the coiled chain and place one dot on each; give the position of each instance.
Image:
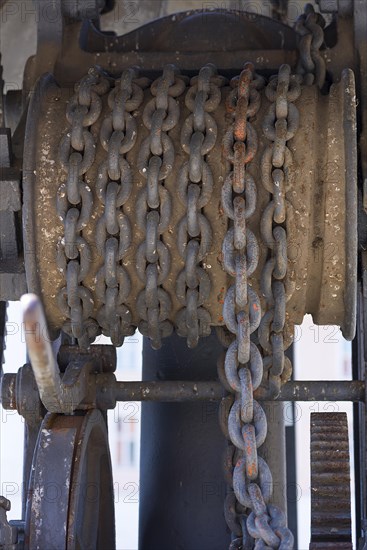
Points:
(75, 205)
(249, 477)
(255, 358)
(312, 66)
(278, 276)
(195, 188)
(114, 183)
(154, 205)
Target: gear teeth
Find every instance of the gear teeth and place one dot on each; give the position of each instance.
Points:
(330, 479)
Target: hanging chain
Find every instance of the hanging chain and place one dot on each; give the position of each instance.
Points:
(243, 418)
(195, 189)
(312, 66)
(75, 205)
(114, 183)
(154, 205)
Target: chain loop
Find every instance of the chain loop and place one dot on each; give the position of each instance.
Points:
(74, 205)
(311, 65)
(277, 280)
(242, 369)
(195, 187)
(114, 183)
(154, 205)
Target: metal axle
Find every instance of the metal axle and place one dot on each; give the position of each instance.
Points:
(167, 391)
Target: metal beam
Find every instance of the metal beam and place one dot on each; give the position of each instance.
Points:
(175, 391)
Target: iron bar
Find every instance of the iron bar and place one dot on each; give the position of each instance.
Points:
(174, 391)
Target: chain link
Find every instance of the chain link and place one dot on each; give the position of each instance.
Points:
(311, 65)
(195, 188)
(278, 275)
(154, 205)
(241, 368)
(74, 205)
(118, 135)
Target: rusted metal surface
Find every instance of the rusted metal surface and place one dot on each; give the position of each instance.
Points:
(57, 395)
(322, 194)
(168, 391)
(213, 391)
(330, 390)
(104, 391)
(91, 518)
(102, 356)
(8, 533)
(330, 481)
(185, 39)
(48, 494)
(71, 457)
(322, 250)
(249, 478)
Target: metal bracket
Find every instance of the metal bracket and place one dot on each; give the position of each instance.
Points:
(8, 532)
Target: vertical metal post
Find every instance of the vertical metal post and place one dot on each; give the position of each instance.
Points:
(30, 440)
(182, 488)
(359, 355)
(292, 488)
(274, 451)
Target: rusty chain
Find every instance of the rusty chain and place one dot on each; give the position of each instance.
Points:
(256, 340)
(241, 369)
(118, 135)
(154, 205)
(75, 205)
(278, 276)
(195, 188)
(311, 65)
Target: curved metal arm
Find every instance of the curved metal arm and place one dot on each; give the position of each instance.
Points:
(56, 396)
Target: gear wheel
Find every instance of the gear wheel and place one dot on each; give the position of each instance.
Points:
(330, 482)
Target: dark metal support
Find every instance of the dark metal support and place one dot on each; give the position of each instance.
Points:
(359, 355)
(273, 451)
(181, 478)
(292, 488)
(175, 391)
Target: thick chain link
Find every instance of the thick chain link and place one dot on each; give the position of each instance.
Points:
(311, 65)
(154, 205)
(75, 205)
(195, 188)
(241, 369)
(277, 222)
(118, 135)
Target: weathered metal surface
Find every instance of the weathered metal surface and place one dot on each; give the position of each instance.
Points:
(249, 478)
(322, 251)
(330, 480)
(104, 391)
(213, 391)
(322, 266)
(333, 297)
(71, 457)
(167, 391)
(57, 395)
(51, 477)
(8, 533)
(359, 22)
(184, 39)
(12, 276)
(91, 515)
(102, 356)
(359, 363)
(351, 206)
